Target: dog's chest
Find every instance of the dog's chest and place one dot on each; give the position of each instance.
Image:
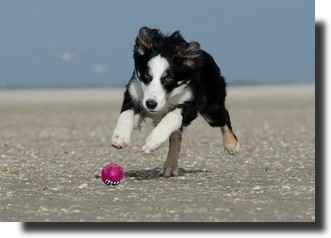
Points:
(157, 117)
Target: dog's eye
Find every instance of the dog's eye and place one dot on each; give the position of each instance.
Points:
(148, 76)
(167, 78)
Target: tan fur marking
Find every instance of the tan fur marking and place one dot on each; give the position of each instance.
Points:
(170, 167)
(231, 145)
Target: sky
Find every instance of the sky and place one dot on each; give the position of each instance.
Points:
(89, 43)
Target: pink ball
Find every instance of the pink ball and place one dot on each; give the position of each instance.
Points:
(112, 174)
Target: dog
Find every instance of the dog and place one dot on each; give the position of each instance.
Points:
(173, 81)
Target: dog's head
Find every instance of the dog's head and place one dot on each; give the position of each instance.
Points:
(164, 66)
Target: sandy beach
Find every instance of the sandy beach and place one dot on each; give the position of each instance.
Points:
(54, 143)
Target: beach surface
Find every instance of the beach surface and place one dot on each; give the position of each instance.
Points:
(54, 143)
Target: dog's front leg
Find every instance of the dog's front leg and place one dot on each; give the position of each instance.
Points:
(170, 167)
(122, 133)
(160, 134)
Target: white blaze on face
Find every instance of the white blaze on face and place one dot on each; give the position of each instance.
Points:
(154, 89)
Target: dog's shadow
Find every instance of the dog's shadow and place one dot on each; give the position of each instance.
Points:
(155, 173)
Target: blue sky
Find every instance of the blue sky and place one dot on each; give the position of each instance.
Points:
(59, 43)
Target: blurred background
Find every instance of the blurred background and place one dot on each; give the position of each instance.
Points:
(89, 43)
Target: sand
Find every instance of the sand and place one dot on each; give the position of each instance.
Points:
(54, 143)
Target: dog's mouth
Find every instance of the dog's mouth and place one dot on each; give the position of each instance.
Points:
(151, 111)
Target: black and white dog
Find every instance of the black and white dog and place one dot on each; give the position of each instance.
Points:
(172, 82)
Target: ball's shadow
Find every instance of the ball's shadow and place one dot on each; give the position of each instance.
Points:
(154, 173)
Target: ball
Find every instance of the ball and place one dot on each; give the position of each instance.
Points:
(112, 174)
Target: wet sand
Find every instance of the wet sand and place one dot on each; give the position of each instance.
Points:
(53, 144)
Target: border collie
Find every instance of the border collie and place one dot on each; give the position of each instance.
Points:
(172, 82)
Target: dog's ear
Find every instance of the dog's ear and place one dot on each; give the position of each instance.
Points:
(176, 36)
(189, 54)
(146, 40)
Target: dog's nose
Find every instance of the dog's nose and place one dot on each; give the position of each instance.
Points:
(151, 104)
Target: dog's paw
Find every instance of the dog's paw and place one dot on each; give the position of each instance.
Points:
(152, 142)
(169, 172)
(120, 140)
(231, 149)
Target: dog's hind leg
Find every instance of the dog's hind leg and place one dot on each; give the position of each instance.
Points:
(230, 141)
(170, 167)
(220, 118)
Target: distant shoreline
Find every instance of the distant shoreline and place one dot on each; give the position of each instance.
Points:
(85, 95)
(33, 87)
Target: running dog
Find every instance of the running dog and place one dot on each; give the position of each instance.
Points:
(173, 81)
